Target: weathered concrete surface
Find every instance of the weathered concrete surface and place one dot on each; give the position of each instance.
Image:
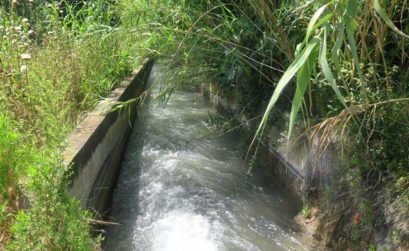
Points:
(95, 148)
(280, 170)
(223, 104)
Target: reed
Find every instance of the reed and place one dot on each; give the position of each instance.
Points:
(338, 67)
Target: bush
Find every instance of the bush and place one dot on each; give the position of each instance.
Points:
(12, 160)
(53, 221)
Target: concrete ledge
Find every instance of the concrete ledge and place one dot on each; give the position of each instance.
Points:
(95, 148)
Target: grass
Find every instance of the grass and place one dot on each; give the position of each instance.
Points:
(54, 68)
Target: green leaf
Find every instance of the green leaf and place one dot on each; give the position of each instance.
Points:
(312, 24)
(351, 8)
(323, 20)
(303, 81)
(285, 79)
(338, 44)
(350, 30)
(382, 13)
(326, 69)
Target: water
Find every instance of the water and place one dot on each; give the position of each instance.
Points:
(182, 187)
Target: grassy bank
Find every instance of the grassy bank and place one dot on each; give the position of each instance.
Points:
(57, 60)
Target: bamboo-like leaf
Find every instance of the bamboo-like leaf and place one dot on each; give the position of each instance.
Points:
(351, 8)
(326, 69)
(311, 25)
(282, 83)
(338, 44)
(350, 30)
(303, 81)
(382, 13)
(323, 20)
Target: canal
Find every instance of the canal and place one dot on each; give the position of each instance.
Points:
(182, 187)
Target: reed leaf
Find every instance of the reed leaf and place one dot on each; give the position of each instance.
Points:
(338, 43)
(312, 25)
(349, 17)
(323, 20)
(382, 13)
(283, 82)
(303, 81)
(326, 69)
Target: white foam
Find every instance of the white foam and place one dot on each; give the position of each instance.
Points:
(182, 231)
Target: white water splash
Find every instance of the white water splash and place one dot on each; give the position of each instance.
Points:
(182, 231)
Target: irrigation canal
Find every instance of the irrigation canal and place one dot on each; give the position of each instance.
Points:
(182, 187)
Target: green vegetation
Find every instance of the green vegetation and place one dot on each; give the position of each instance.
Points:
(57, 61)
(306, 211)
(336, 71)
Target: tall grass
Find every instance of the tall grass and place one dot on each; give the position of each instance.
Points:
(11, 169)
(57, 61)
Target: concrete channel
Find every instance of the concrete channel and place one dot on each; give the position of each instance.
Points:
(95, 148)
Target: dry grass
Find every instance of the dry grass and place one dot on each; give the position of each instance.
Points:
(337, 127)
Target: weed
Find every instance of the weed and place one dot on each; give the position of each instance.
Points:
(372, 247)
(306, 212)
(59, 223)
(57, 60)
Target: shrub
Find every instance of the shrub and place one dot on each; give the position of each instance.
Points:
(53, 221)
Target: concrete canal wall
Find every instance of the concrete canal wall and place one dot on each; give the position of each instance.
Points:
(95, 148)
(275, 165)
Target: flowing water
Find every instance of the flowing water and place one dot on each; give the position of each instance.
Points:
(183, 187)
